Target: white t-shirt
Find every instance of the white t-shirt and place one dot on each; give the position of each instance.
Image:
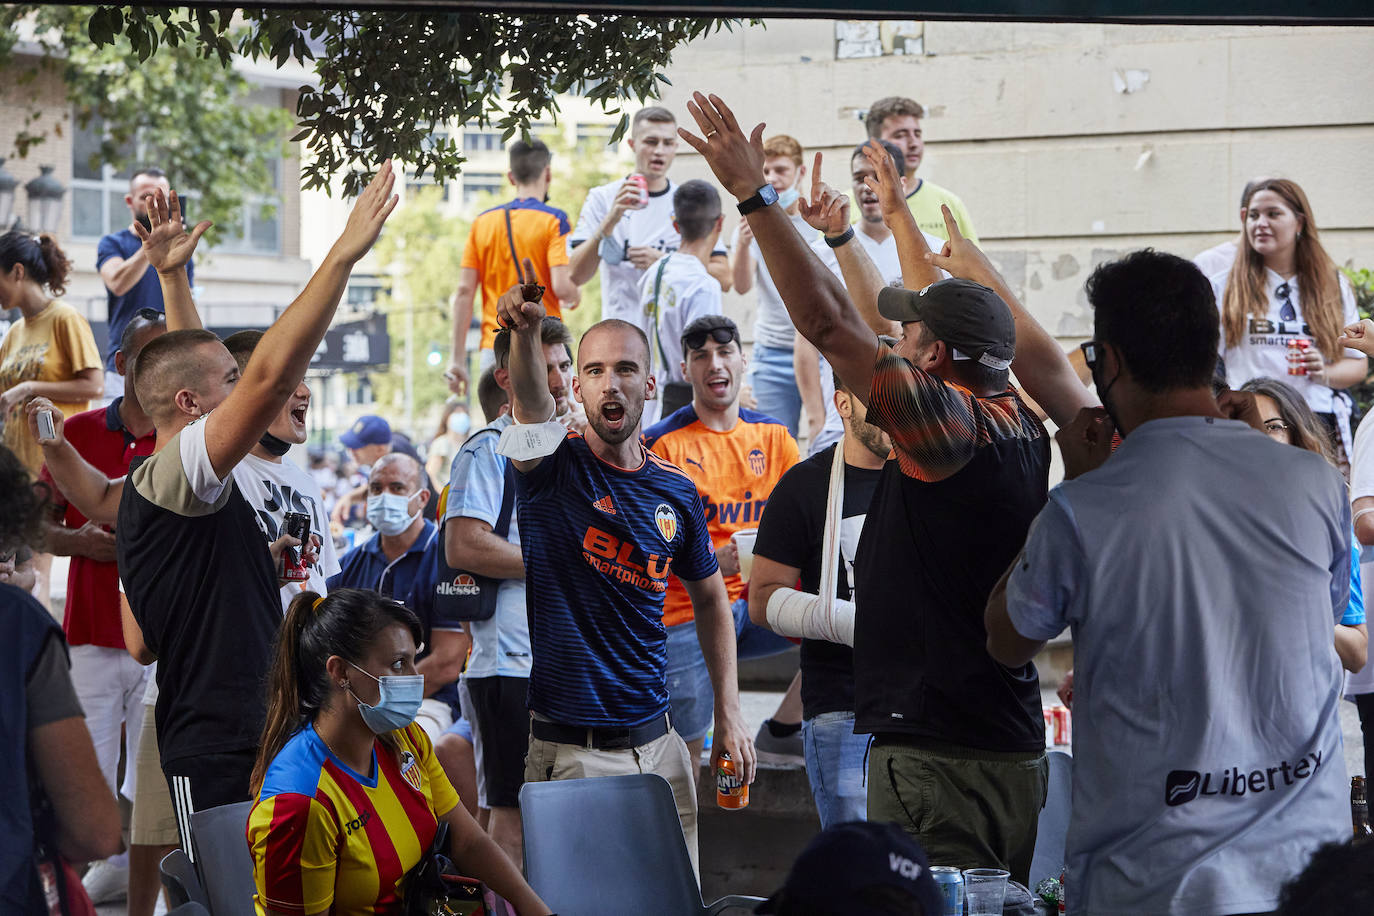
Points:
(1217, 259)
(885, 258)
(686, 293)
(651, 227)
(772, 325)
(273, 489)
(1263, 348)
(500, 644)
(1202, 599)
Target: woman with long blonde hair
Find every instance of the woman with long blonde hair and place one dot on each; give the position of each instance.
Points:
(1282, 288)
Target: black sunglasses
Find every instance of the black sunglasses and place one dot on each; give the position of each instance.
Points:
(1090, 352)
(697, 339)
(148, 314)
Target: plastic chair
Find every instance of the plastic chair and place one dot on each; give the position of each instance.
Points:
(1053, 825)
(223, 861)
(611, 844)
(180, 880)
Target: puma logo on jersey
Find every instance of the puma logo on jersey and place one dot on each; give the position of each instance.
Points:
(604, 505)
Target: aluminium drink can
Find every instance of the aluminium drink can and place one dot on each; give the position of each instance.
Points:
(951, 883)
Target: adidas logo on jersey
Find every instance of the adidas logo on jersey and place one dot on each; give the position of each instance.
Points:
(604, 505)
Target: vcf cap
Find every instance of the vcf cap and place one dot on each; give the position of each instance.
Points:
(367, 430)
(846, 859)
(969, 317)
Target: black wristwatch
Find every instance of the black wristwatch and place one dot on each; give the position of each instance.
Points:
(762, 197)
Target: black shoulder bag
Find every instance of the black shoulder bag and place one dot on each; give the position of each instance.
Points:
(463, 595)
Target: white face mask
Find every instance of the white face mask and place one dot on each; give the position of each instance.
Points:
(389, 513)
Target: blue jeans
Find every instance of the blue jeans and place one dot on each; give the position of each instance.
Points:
(691, 699)
(836, 765)
(775, 385)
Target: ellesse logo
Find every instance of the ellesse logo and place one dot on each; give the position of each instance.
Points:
(463, 586)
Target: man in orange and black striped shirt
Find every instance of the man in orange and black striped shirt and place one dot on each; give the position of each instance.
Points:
(958, 758)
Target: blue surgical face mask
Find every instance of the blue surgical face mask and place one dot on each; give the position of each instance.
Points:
(390, 513)
(397, 704)
(788, 198)
(459, 423)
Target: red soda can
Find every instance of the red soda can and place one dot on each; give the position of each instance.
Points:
(293, 568)
(1049, 727)
(639, 179)
(1297, 355)
(1063, 731)
(731, 790)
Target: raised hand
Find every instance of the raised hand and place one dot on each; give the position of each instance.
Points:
(514, 310)
(961, 257)
(827, 209)
(167, 244)
(1359, 336)
(735, 160)
(887, 184)
(369, 214)
(1086, 442)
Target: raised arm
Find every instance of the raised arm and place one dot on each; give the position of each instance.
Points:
(917, 271)
(94, 495)
(828, 211)
(281, 359)
(520, 310)
(816, 301)
(1040, 364)
(168, 247)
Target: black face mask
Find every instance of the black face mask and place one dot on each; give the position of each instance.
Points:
(277, 447)
(1102, 391)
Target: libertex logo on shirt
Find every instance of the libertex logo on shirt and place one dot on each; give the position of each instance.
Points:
(1183, 786)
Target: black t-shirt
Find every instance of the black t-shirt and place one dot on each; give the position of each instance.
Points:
(201, 584)
(950, 514)
(790, 533)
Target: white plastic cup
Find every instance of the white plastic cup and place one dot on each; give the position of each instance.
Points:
(744, 544)
(985, 889)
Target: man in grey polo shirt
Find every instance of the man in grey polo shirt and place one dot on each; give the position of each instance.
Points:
(1201, 569)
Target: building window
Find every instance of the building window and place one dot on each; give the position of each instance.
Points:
(481, 141)
(98, 192)
(362, 293)
(477, 184)
(594, 138)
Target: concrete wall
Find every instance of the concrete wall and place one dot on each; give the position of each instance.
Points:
(1071, 144)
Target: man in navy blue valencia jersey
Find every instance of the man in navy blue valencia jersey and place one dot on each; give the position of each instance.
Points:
(603, 522)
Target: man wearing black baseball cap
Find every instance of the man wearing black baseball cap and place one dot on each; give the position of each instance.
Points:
(958, 759)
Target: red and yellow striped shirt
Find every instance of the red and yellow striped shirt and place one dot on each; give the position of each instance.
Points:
(325, 838)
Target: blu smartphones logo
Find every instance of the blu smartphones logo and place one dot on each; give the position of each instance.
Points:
(1183, 786)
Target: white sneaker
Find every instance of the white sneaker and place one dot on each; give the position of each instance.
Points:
(106, 883)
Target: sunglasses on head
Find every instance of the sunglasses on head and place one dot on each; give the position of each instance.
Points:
(697, 339)
(148, 314)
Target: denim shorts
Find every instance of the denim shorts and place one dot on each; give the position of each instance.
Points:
(691, 700)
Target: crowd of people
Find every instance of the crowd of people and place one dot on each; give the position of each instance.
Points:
(565, 589)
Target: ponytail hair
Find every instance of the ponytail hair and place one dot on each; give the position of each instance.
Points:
(344, 623)
(43, 260)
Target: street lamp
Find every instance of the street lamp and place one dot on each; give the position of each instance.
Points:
(7, 185)
(45, 201)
